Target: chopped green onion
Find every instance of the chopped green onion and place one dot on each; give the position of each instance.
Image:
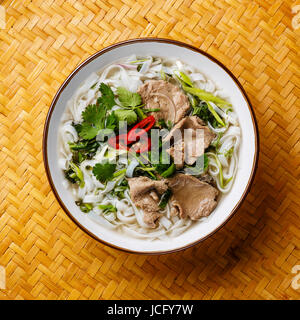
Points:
(227, 181)
(119, 173)
(144, 166)
(140, 113)
(193, 100)
(78, 173)
(85, 207)
(184, 78)
(146, 169)
(214, 113)
(169, 171)
(107, 208)
(206, 96)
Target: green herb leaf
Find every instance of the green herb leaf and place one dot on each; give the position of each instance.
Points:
(104, 172)
(111, 121)
(167, 173)
(88, 132)
(94, 116)
(126, 115)
(93, 120)
(107, 96)
(127, 98)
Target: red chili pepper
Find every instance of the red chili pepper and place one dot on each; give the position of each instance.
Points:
(119, 142)
(140, 128)
(139, 131)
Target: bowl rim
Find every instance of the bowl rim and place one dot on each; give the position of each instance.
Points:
(98, 54)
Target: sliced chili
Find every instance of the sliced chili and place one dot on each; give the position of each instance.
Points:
(137, 134)
(119, 142)
(143, 126)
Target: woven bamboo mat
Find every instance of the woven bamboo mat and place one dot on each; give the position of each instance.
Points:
(45, 255)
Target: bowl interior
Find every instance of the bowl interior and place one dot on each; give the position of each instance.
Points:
(247, 152)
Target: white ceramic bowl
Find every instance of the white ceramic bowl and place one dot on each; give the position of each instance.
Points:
(248, 154)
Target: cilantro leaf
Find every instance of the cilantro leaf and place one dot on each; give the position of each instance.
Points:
(127, 98)
(111, 121)
(104, 171)
(107, 96)
(93, 114)
(126, 115)
(93, 121)
(87, 131)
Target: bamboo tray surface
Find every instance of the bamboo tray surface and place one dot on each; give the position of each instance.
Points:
(45, 255)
